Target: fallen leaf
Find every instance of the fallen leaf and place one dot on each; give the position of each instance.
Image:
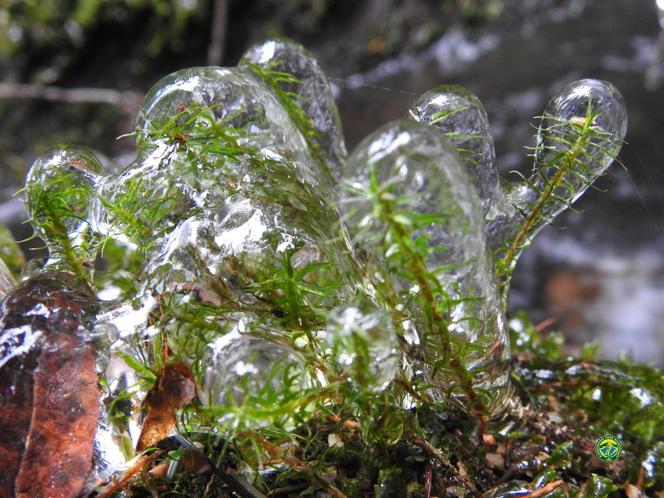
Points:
(174, 389)
(48, 388)
(489, 440)
(58, 453)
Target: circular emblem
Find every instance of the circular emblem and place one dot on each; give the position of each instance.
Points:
(608, 448)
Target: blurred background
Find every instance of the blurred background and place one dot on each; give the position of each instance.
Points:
(74, 71)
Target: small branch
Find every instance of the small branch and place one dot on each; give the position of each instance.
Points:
(138, 464)
(544, 490)
(296, 464)
(127, 101)
(218, 33)
(437, 455)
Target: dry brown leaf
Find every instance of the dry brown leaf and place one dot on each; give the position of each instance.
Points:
(174, 389)
(489, 440)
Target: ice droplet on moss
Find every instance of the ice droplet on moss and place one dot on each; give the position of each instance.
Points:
(586, 108)
(308, 86)
(406, 180)
(579, 136)
(231, 204)
(227, 182)
(58, 190)
(364, 344)
(459, 114)
(254, 379)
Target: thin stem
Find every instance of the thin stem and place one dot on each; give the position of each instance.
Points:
(569, 158)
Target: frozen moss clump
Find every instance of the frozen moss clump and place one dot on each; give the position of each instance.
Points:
(297, 284)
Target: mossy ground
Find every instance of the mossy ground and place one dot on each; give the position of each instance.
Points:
(544, 446)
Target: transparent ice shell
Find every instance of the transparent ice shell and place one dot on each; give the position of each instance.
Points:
(364, 345)
(245, 168)
(58, 191)
(417, 165)
(459, 114)
(312, 94)
(562, 129)
(253, 378)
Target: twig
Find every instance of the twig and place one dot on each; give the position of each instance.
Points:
(545, 324)
(443, 460)
(140, 462)
(641, 478)
(218, 33)
(544, 490)
(296, 464)
(127, 101)
(288, 489)
(231, 479)
(423, 398)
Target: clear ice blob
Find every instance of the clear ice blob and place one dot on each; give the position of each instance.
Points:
(588, 120)
(58, 191)
(579, 136)
(233, 194)
(461, 116)
(229, 109)
(224, 183)
(312, 92)
(407, 177)
(364, 345)
(251, 380)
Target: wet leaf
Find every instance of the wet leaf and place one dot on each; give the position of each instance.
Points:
(48, 388)
(174, 389)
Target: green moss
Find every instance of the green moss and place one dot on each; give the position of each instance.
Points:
(10, 252)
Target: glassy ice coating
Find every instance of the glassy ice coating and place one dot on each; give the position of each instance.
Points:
(589, 149)
(588, 119)
(7, 281)
(415, 168)
(59, 188)
(229, 215)
(461, 116)
(231, 183)
(256, 375)
(364, 344)
(580, 134)
(312, 94)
